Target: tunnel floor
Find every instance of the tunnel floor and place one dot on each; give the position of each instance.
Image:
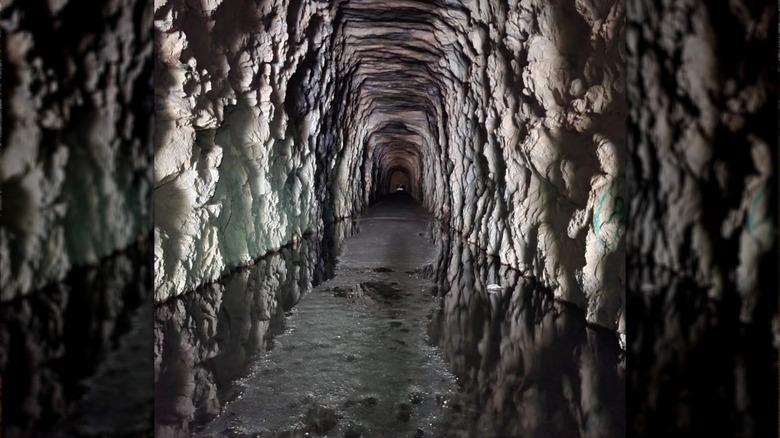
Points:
(355, 358)
(403, 338)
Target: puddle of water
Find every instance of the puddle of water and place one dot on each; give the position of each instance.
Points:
(207, 340)
(356, 358)
(74, 356)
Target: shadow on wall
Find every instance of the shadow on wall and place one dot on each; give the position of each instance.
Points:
(74, 355)
(205, 340)
(529, 365)
(75, 234)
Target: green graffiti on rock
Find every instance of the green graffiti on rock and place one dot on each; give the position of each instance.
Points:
(609, 218)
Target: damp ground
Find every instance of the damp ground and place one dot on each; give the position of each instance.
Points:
(415, 333)
(355, 358)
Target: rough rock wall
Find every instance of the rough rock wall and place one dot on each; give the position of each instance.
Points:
(240, 89)
(702, 240)
(76, 157)
(535, 136)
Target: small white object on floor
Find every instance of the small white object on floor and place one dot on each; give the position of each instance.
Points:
(494, 288)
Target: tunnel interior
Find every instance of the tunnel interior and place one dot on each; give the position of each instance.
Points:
(229, 150)
(504, 120)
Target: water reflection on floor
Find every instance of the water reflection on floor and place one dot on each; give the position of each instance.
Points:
(405, 340)
(74, 357)
(528, 365)
(207, 339)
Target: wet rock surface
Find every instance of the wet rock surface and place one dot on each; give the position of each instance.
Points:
(527, 364)
(355, 362)
(206, 341)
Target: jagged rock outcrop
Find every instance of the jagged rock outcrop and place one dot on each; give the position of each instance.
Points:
(76, 159)
(505, 119)
(702, 240)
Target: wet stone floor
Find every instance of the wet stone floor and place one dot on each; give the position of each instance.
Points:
(404, 340)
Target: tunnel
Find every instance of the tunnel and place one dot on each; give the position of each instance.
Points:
(344, 131)
(388, 218)
(500, 124)
(505, 121)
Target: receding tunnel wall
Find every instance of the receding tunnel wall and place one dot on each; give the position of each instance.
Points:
(509, 117)
(401, 164)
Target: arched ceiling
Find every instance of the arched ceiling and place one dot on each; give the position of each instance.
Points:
(391, 59)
